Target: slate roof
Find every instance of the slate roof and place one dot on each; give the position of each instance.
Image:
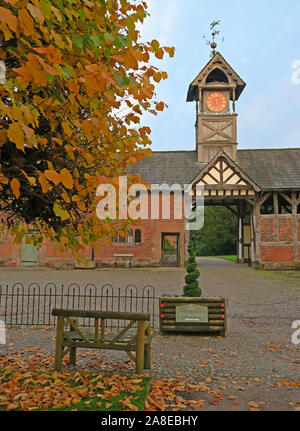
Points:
(270, 169)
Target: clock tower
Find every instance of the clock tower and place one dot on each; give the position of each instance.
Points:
(215, 91)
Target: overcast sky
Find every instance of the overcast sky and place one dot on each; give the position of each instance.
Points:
(261, 44)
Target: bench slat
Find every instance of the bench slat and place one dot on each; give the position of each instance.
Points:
(104, 346)
(122, 315)
(73, 336)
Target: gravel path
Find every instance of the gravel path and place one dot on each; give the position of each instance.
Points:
(256, 363)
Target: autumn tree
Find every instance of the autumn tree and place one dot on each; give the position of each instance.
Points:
(78, 80)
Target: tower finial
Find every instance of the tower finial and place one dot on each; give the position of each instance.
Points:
(211, 42)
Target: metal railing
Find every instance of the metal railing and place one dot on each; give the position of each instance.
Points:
(32, 305)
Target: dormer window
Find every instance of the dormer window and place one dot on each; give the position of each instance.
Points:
(217, 75)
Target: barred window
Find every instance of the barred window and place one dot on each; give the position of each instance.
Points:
(130, 236)
(137, 236)
(122, 237)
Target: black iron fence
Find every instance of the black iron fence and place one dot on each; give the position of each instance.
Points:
(32, 305)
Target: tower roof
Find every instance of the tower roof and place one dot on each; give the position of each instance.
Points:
(217, 62)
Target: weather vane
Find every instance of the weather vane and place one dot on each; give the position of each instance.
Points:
(211, 42)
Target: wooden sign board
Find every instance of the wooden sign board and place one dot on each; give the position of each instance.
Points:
(191, 313)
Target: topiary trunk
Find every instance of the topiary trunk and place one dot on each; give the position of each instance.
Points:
(192, 289)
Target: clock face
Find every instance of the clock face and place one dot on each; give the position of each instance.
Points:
(216, 102)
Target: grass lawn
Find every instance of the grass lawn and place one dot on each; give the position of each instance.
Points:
(28, 389)
(231, 258)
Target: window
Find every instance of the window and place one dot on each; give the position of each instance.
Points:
(125, 238)
(3, 234)
(130, 236)
(137, 236)
(217, 75)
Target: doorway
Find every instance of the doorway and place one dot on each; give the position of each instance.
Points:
(29, 253)
(170, 246)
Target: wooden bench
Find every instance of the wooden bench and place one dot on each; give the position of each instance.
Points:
(127, 261)
(67, 341)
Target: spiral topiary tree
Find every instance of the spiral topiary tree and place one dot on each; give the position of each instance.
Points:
(192, 289)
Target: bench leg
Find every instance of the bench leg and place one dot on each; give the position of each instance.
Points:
(147, 357)
(140, 347)
(59, 343)
(73, 356)
(147, 350)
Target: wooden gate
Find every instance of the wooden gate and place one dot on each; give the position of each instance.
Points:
(170, 249)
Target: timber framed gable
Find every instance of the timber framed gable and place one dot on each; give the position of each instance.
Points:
(223, 178)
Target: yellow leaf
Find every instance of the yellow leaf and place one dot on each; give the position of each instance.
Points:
(3, 179)
(159, 53)
(31, 180)
(26, 23)
(97, 230)
(64, 240)
(44, 183)
(65, 197)
(66, 178)
(9, 19)
(15, 134)
(155, 45)
(53, 176)
(157, 76)
(160, 106)
(15, 186)
(60, 212)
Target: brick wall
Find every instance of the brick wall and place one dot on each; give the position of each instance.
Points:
(286, 229)
(280, 239)
(146, 253)
(267, 229)
(10, 254)
(279, 254)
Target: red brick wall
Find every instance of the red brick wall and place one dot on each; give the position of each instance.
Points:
(279, 253)
(48, 255)
(267, 229)
(10, 254)
(282, 237)
(148, 252)
(286, 229)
